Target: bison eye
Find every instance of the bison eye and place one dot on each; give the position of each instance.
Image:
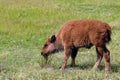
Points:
(45, 45)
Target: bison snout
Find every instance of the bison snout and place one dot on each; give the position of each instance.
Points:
(43, 54)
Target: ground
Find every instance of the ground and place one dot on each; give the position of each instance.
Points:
(25, 24)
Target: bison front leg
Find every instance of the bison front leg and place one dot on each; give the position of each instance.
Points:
(67, 52)
(73, 56)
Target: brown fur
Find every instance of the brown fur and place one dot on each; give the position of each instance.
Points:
(75, 34)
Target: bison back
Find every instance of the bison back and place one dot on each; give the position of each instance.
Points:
(85, 32)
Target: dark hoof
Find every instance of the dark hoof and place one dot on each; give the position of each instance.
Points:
(72, 65)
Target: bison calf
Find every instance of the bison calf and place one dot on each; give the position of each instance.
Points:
(76, 34)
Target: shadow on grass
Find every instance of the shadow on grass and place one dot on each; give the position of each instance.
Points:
(114, 67)
(81, 66)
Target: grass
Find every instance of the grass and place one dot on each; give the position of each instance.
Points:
(25, 24)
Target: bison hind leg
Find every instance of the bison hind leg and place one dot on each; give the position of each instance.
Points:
(103, 52)
(99, 52)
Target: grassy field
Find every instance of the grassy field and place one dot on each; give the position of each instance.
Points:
(25, 24)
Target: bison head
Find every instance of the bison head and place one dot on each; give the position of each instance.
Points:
(49, 46)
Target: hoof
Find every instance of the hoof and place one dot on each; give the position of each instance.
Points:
(72, 65)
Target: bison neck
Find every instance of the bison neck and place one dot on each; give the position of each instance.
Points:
(58, 44)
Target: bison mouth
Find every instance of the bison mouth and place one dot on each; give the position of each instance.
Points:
(45, 56)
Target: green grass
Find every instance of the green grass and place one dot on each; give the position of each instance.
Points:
(25, 24)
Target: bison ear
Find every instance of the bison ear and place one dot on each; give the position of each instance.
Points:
(53, 39)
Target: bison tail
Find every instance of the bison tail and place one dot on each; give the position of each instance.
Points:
(108, 36)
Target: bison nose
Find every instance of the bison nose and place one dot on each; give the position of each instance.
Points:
(42, 53)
